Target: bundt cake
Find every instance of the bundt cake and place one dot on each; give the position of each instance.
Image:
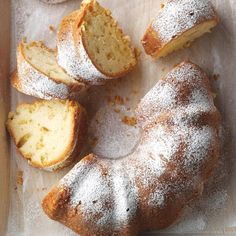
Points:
(178, 23)
(178, 150)
(91, 47)
(39, 75)
(49, 134)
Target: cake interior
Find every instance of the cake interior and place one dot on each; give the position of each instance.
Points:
(106, 44)
(186, 38)
(43, 131)
(44, 60)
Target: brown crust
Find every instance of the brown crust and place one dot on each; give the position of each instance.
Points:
(78, 18)
(56, 203)
(154, 45)
(73, 89)
(77, 139)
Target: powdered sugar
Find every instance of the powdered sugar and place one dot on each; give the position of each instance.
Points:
(178, 16)
(200, 142)
(73, 57)
(165, 96)
(156, 198)
(91, 191)
(158, 147)
(109, 131)
(173, 145)
(37, 84)
(125, 194)
(160, 97)
(33, 82)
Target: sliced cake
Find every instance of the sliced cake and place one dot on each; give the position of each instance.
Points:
(49, 134)
(178, 23)
(39, 75)
(91, 47)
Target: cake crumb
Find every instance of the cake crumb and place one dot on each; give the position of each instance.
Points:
(93, 142)
(117, 100)
(117, 110)
(131, 121)
(52, 28)
(135, 91)
(162, 5)
(19, 177)
(216, 77)
(137, 52)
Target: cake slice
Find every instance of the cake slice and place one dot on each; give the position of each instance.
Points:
(91, 47)
(49, 134)
(39, 75)
(178, 23)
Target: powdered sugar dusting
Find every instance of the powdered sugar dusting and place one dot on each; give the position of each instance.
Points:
(179, 141)
(109, 131)
(33, 82)
(158, 147)
(125, 194)
(160, 97)
(178, 16)
(165, 96)
(73, 57)
(199, 143)
(91, 191)
(156, 198)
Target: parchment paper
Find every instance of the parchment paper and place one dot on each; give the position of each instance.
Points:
(215, 212)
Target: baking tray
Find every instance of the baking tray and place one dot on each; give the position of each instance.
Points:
(22, 187)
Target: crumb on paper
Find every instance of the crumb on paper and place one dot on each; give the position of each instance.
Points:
(137, 52)
(24, 39)
(19, 177)
(131, 121)
(116, 100)
(135, 91)
(216, 76)
(162, 5)
(44, 188)
(52, 28)
(117, 110)
(214, 95)
(93, 142)
(127, 38)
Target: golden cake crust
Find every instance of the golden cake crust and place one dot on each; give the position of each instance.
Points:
(147, 190)
(79, 62)
(32, 81)
(170, 25)
(77, 139)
